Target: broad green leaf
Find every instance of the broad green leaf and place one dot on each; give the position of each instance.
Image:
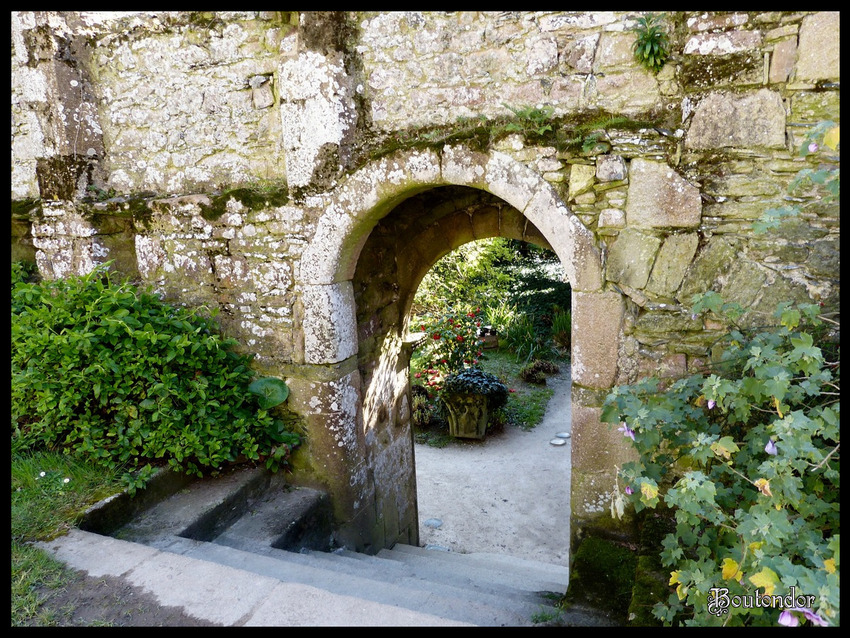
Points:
(725, 447)
(271, 392)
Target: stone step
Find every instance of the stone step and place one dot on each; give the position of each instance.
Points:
(517, 574)
(468, 602)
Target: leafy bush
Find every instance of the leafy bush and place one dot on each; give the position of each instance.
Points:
(747, 460)
(115, 375)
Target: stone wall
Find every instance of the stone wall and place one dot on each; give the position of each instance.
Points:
(301, 171)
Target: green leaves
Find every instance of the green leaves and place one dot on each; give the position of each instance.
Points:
(746, 459)
(104, 370)
(652, 46)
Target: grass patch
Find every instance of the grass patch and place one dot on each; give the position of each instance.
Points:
(527, 403)
(45, 505)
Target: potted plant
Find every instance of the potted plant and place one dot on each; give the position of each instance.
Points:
(470, 396)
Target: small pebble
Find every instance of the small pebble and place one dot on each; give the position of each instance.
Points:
(563, 435)
(433, 522)
(558, 442)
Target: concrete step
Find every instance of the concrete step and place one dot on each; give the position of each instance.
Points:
(517, 574)
(468, 602)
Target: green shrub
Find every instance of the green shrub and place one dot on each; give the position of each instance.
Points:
(747, 460)
(110, 373)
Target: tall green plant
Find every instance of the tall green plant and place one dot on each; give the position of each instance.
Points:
(652, 45)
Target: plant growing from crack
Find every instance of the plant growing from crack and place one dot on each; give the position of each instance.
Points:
(652, 46)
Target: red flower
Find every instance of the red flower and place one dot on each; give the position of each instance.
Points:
(436, 335)
(417, 375)
(460, 337)
(511, 390)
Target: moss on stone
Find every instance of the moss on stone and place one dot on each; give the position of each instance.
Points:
(26, 208)
(252, 197)
(709, 71)
(651, 578)
(601, 577)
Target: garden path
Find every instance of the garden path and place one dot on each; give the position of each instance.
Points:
(507, 494)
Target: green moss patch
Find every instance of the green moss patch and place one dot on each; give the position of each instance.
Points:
(602, 577)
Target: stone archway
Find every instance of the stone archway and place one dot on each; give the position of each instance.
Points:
(357, 405)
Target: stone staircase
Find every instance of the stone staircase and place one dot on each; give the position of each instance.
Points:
(243, 521)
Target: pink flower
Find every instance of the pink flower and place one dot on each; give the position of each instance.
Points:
(629, 489)
(627, 431)
(770, 448)
(711, 404)
(788, 619)
(813, 147)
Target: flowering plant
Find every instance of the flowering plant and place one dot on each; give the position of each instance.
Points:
(451, 345)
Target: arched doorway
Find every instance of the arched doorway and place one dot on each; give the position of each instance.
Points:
(373, 244)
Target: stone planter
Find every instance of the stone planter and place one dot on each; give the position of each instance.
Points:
(467, 415)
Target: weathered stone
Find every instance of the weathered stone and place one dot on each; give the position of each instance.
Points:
(670, 366)
(816, 106)
(611, 447)
(628, 92)
(712, 262)
(755, 185)
(578, 54)
(661, 322)
(818, 54)
(825, 258)
(722, 43)
(631, 257)
(274, 193)
(610, 168)
(751, 119)
(672, 262)
(596, 327)
(582, 177)
(743, 283)
(782, 60)
(660, 197)
(612, 218)
(778, 290)
(330, 334)
(707, 21)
